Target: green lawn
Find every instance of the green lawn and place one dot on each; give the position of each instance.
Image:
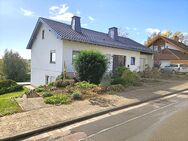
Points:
(8, 105)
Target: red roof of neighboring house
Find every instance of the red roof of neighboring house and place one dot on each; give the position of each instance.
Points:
(170, 41)
(171, 54)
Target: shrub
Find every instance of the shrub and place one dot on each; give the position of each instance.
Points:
(130, 78)
(100, 89)
(40, 89)
(60, 77)
(7, 86)
(150, 72)
(7, 83)
(116, 88)
(106, 79)
(125, 77)
(51, 84)
(90, 66)
(84, 84)
(118, 80)
(47, 94)
(63, 83)
(76, 96)
(120, 70)
(57, 99)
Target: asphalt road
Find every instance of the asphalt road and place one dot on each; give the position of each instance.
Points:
(161, 120)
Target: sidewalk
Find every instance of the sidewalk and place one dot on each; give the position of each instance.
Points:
(41, 118)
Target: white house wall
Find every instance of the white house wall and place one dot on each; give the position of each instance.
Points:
(148, 60)
(165, 63)
(167, 45)
(70, 46)
(40, 57)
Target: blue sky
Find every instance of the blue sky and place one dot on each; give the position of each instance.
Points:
(138, 18)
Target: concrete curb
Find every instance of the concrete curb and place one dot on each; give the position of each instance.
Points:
(79, 119)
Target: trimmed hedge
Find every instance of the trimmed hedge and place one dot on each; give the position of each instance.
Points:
(7, 86)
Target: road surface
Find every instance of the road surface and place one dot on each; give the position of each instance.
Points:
(161, 120)
(165, 119)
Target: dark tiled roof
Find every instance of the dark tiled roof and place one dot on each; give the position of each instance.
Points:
(179, 54)
(65, 31)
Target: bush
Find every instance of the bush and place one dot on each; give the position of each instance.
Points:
(57, 99)
(84, 84)
(118, 80)
(7, 86)
(90, 66)
(116, 88)
(51, 84)
(60, 77)
(125, 77)
(130, 78)
(120, 70)
(40, 89)
(76, 96)
(106, 79)
(63, 83)
(150, 72)
(47, 94)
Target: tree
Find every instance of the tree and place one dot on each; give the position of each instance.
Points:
(14, 66)
(1, 70)
(151, 38)
(178, 36)
(90, 66)
(167, 33)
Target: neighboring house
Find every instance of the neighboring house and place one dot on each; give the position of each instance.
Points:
(168, 51)
(54, 45)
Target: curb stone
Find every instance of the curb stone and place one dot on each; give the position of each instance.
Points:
(43, 129)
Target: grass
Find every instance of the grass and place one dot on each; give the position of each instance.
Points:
(7, 103)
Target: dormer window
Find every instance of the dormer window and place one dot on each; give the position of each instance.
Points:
(43, 34)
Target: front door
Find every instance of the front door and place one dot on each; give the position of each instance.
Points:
(142, 64)
(118, 60)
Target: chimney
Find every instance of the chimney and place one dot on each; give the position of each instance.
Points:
(75, 24)
(113, 32)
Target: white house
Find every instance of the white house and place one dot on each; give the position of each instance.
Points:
(54, 44)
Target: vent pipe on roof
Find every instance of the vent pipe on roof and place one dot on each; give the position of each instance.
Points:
(113, 32)
(75, 24)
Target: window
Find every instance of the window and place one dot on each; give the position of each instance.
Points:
(132, 60)
(52, 56)
(42, 34)
(155, 48)
(74, 55)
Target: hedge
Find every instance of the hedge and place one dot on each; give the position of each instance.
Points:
(7, 86)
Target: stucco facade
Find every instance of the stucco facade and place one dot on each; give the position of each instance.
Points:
(40, 57)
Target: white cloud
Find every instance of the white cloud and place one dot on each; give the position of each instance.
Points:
(60, 13)
(27, 12)
(91, 18)
(152, 30)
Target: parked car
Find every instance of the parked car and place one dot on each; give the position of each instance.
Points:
(174, 68)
